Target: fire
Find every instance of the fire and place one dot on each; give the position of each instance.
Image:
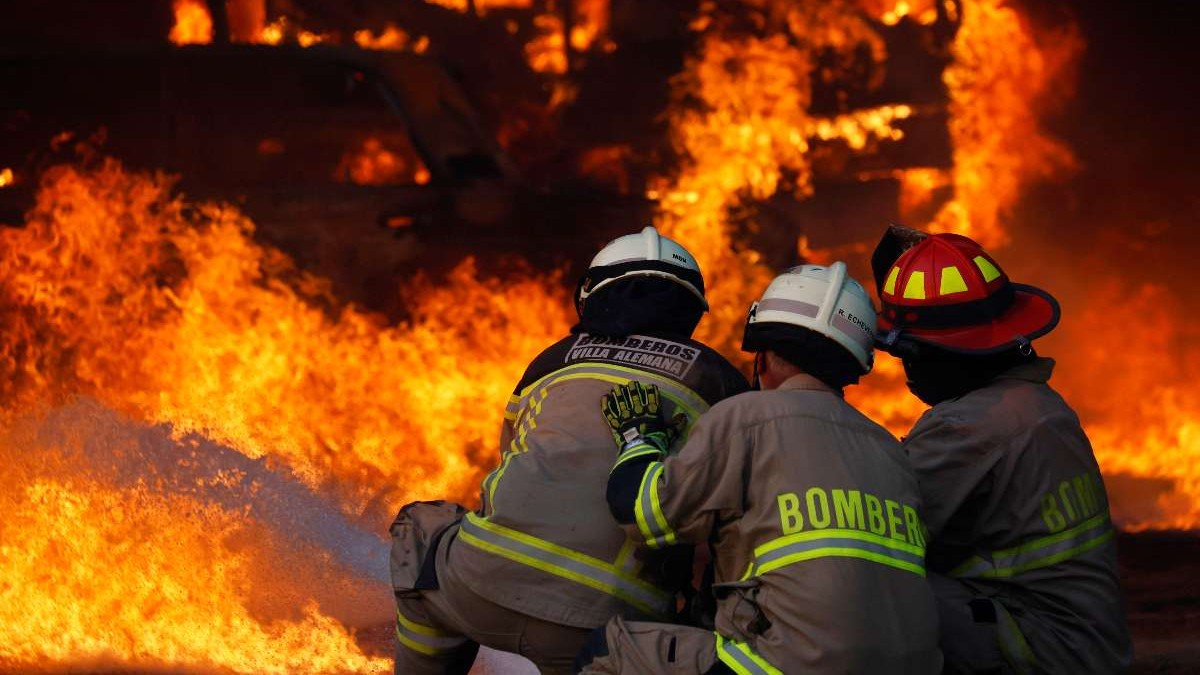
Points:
(193, 23)
(370, 411)
(392, 38)
(103, 576)
(170, 314)
(741, 120)
(547, 52)
(482, 6)
(998, 75)
(374, 164)
(6, 177)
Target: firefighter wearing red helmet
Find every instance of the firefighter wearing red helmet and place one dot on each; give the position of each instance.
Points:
(1021, 553)
(811, 510)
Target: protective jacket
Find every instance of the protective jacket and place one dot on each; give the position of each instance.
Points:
(544, 543)
(814, 518)
(1017, 512)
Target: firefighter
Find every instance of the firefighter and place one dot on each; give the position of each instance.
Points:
(811, 508)
(1021, 550)
(541, 563)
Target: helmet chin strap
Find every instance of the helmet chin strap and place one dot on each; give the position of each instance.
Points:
(756, 381)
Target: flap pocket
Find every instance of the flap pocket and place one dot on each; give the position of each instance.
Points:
(415, 533)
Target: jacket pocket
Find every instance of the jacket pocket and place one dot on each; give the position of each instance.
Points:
(415, 534)
(737, 602)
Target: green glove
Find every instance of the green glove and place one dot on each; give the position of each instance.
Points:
(634, 411)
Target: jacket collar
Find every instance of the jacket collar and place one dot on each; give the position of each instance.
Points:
(1037, 371)
(806, 382)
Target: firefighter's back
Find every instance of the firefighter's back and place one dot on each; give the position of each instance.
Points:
(544, 542)
(831, 540)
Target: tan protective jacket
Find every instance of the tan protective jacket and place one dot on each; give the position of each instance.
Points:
(1016, 508)
(814, 516)
(544, 542)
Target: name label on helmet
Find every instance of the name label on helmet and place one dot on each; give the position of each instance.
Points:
(654, 354)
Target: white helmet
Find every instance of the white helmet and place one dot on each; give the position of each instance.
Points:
(647, 254)
(820, 298)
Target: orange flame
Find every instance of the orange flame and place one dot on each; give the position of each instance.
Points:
(98, 576)
(998, 74)
(170, 313)
(201, 347)
(6, 177)
(741, 121)
(193, 23)
(374, 164)
(392, 38)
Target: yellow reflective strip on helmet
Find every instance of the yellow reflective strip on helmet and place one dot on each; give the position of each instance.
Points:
(952, 281)
(990, 273)
(889, 286)
(914, 288)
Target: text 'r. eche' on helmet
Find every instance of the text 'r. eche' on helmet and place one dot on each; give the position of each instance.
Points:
(948, 293)
(824, 299)
(645, 254)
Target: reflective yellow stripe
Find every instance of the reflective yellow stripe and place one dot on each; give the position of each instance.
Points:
(742, 660)
(989, 271)
(1041, 552)
(889, 286)
(565, 563)
(1013, 646)
(527, 422)
(640, 450)
(952, 281)
(626, 560)
(424, 639)
(648, 511)
(687, 400)
(837, 543)
(914, 288)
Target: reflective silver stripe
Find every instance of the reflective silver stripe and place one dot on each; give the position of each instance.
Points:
(424, 639)
(650, 519)
(1041, 552)
(791, 306)
(563, 562)
(854, 332)
(742, 659)
(836, 543)
(634, 451)
(685, 398)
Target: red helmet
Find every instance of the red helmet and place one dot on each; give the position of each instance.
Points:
(947, 292)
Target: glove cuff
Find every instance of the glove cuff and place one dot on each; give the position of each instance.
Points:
(635, 449)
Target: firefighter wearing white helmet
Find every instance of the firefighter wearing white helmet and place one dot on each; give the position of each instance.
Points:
(541, 563)
(813, 514)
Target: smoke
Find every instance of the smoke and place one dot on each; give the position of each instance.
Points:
(311, 551)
